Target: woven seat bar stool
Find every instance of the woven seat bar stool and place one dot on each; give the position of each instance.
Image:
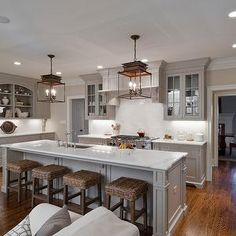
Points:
(47, 173)
(129, 189)
(83, 180)
(20, 168)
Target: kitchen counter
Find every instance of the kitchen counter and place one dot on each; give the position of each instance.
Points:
(2, 135)
(165, 172)
(145, 159)
(174, 141)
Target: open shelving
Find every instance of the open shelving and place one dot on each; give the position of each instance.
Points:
(15, 94)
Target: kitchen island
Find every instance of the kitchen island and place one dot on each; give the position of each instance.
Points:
(164, 171)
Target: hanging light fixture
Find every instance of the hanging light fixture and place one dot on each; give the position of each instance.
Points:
(135, 71)
(50, 88)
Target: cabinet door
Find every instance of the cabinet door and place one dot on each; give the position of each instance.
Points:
(102, 107)
(192, 96)
(173, 109)
(91, 100)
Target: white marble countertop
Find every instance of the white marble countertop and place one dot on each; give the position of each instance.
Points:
(101, 136)
(174, 141)
(137, 158)
(2, 135)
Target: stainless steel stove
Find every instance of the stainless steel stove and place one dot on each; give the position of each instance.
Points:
(133, 140)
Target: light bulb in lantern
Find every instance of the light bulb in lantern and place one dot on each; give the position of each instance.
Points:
(130, 85)
(47, 92)
(53, 92)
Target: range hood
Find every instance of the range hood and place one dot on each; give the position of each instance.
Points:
(110, 82)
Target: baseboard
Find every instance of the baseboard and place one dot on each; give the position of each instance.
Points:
(196, 184)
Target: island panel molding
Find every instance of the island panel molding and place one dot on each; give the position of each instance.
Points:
(164, 171)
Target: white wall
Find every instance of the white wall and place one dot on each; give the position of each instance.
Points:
(25, 126)
(143, 114)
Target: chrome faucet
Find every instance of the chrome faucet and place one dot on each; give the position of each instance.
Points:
(67, 134)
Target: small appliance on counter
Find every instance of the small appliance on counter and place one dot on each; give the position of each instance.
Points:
(199, 137)
(181, 136)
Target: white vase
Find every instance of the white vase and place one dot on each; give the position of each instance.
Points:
(5, 100)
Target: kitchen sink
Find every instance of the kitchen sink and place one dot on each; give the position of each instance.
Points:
(79, 146)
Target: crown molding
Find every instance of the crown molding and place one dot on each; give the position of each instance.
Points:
(222, 63)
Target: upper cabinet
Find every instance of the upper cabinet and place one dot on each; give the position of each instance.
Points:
(18, 98)
(185, 90)
(96, 102)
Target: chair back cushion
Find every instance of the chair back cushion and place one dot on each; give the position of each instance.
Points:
(55, 223)
(100, 221)
(42, 212)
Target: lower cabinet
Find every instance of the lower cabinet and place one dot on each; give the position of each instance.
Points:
(195, 160)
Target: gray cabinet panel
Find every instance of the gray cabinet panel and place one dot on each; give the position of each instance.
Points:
(195, 160)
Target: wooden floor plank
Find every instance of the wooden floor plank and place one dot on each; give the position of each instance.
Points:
(211, 210)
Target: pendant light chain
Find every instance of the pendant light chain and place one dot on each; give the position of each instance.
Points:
(135, 52)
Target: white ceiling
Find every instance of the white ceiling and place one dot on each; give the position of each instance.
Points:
(86, 33)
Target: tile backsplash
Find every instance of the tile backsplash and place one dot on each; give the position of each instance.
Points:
(133, 115)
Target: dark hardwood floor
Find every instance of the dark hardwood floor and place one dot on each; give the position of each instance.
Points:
(211, 210)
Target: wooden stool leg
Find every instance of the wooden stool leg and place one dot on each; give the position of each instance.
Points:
(82, 201)
(49, 191)
(108, 201)
(99, 195)
(132, 211)
(65, 198)
(19, 186)
(122, 209)
(26, 180)
(145, 211)
(33, 191)
(8, 182)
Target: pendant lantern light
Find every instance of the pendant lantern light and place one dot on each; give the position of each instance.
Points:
(50, 88)
(136, 72)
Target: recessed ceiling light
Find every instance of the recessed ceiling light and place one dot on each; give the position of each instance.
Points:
(100, 67)
(234, 45)
(4, 20)
(58, 73)
(232, 14)
(17, 63)
(144, 60)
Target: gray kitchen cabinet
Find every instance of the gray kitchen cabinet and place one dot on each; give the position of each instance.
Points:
(96, 102)
(185, 88)
(22, 94)
(195, 160)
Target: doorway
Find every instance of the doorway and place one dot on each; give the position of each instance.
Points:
(227, 128)
(76, 123)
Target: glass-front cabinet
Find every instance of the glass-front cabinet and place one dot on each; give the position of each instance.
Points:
(96, 100)
(185, 89)
(184, 96)
(192, 95)
(173, 96)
